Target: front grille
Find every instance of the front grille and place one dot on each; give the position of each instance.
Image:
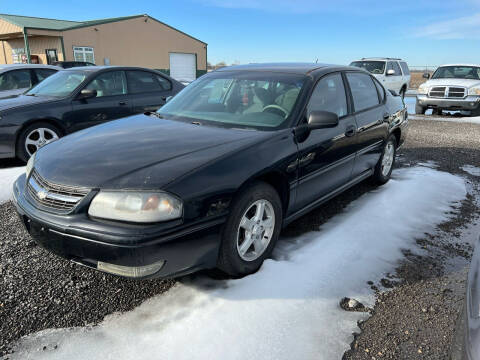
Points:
(438, 91)
(444, 92)
(54, 196)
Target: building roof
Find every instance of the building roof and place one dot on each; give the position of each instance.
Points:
(62, 25)
(296, 68)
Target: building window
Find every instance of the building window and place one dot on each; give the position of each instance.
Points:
(82, 53)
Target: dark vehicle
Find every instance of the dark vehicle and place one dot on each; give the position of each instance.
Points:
(77, 98)
(210, 179)
(70, 64)
(18, 78)
(466, 344)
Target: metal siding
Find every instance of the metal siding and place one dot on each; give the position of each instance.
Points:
(8, 28)
(38, 45)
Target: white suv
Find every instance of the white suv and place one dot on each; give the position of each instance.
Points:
(392, 73)
(452, 87)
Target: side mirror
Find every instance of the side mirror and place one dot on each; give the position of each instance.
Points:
(390, 72)
(87, 94)
(426, 76)
(322, 120)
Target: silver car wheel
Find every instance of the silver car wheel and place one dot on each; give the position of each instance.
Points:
(37, 138)
(255, 230)
(387, 160)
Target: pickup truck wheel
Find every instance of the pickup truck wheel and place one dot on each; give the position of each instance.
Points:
(475, 112)
(384, 167)
(33, 137)
(419, 110)
(251, 231)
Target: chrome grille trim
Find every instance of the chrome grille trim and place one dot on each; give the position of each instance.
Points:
(448, 92)
(54, 196)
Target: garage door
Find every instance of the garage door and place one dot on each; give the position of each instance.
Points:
(183, 67)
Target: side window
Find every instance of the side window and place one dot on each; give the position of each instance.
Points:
(164, 83)
(329, 95)
(390, 66)
(405, 69)
(381, 90)
(142, 81)
(363, 89)
(109, 84)
(396, 67)
(16, 79)
(42, 74)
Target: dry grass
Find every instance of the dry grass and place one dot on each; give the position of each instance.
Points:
(417, 79)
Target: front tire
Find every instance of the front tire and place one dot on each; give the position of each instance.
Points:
(251, 231)
(384, 167)
(33, 137)
(419, 110)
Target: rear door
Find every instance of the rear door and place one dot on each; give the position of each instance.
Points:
(148, 90)
(327, 156)
(183, 67)
(112, 101)
(371, 116)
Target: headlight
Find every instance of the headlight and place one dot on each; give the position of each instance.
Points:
(29, 167)
(474, 90)
(142, 207)
(423, 89)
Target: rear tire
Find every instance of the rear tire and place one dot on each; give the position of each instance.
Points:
(403, 91)
(475, 112)
(419, 110)
(40, 132)
(384, 167)
(236, 257)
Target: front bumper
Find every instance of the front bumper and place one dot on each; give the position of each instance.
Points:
(183, 249)
(468, 103)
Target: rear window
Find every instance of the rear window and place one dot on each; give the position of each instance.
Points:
(142, 81)
(405, 69)
(373, 67)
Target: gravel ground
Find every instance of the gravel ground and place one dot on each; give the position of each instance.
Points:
(39, 290)
(417, 318)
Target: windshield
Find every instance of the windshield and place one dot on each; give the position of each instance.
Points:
(457, 72)
(250, 100)
(60, 84)
(373, 67)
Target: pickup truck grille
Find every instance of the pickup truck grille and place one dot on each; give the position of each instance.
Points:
(57, 197)
(447, 92)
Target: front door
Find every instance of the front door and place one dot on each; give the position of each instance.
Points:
(51, 55)
(371, 117)
(112, 101)
(327, 156)
(147, 90)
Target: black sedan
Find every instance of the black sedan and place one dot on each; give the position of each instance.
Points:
(212, 177)
(75, 99)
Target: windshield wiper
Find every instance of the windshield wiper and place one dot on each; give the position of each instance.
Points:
(154, 113)
(30, 95)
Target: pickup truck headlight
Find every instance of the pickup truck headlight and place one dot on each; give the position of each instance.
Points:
(29, 167)
(141, 207)
(423, 89)
(474, 90)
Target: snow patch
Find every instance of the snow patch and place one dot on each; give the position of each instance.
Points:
(290, 308)
(472, 170)
(7, 178)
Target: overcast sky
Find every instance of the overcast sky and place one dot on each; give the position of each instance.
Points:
(428, 32)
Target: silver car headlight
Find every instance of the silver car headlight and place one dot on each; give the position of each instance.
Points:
(141, 207)
(423, 89)
(29, 167)
(474, 90)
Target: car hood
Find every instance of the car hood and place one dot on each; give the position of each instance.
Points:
(22, 100)
(138, 152)
(468, 83)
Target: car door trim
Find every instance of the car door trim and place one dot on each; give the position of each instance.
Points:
(370, 148)
(326, 168)
(367, 173)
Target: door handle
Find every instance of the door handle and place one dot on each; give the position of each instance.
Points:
(386, 116)
(122, 103)
(350, 131)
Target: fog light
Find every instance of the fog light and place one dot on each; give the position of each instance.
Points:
(130, 271)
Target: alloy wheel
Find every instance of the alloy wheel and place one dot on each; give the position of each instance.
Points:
(37, 138)
(387, 160)
(255, 230)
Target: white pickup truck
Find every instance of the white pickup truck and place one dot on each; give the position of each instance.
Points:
(392, 73)
(451, 87)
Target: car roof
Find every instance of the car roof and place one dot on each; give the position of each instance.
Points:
(294, 68)
(379, 59)
(476, 65)
(27, 66)
(105, 67)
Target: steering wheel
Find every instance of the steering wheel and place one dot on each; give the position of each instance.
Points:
(275, 107)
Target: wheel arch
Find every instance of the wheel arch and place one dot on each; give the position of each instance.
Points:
(51, 121)
(398, 135)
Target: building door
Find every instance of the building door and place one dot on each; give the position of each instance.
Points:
(183, 67)
(51, 56)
